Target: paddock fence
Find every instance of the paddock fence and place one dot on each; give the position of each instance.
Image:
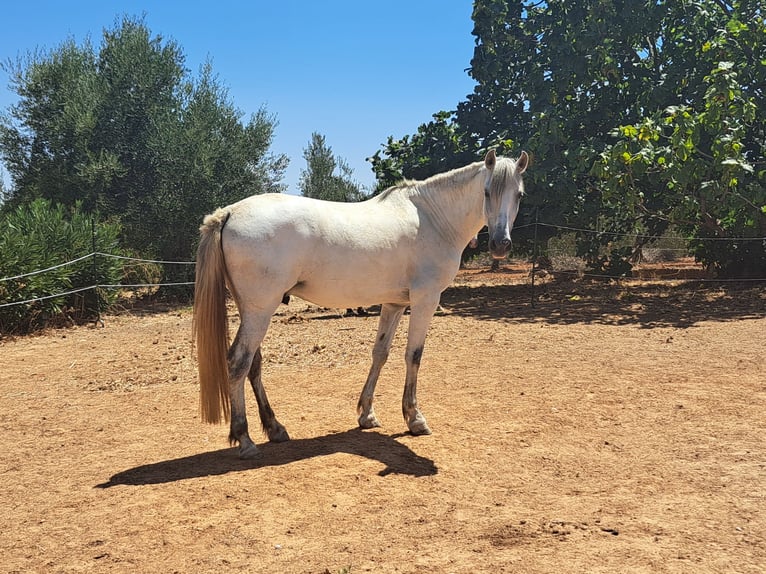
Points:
(557, 248)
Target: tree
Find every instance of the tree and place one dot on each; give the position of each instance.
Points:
(584, 85)
(127, 130)
(698, 163)
(439, 145)
(320, 180)
(54, 119)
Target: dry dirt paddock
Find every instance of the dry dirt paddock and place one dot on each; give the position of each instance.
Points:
(609, 428)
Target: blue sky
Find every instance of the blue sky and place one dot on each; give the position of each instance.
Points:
(354, 71)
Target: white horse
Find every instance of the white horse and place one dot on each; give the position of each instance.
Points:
(401, 248)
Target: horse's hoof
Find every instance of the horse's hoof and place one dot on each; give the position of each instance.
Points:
(418, 427)
(248, 452)
(369, 422)
(278, 434)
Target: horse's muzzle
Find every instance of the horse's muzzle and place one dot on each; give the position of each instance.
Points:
(499, 248)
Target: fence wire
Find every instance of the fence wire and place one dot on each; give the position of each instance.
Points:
(135, 260)
(43, 298)
(41, 271)
(138, 260)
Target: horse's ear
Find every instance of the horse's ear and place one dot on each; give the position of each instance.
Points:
(522, 163)
(490, 159)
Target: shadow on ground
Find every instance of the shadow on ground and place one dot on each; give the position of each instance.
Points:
(397, 458)
(646, 304)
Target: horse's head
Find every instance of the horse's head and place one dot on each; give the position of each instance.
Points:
(503, 189)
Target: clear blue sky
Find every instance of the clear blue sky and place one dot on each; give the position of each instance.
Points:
(354, 71)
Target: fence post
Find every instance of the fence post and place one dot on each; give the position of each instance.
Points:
(98, 318)
(534, 256)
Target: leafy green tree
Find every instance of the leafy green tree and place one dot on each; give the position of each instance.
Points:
(698, 163)
(327, 176)
(127, 130)
(583, 85)
(438, 146)
(53, 119)
(557, 77)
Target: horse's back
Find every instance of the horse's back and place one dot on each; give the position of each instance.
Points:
(266, 216)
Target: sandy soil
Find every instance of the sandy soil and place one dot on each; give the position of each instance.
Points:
(607, 428)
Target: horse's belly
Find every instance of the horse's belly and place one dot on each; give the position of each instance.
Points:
(343, 293)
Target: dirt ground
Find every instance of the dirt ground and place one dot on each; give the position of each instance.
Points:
(607, 428)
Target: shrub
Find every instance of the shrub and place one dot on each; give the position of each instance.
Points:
(39, 236)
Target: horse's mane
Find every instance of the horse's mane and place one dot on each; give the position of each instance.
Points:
(454, 177)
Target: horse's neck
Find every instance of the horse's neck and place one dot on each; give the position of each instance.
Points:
(455, 202)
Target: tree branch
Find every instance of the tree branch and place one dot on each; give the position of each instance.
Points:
(725, 6)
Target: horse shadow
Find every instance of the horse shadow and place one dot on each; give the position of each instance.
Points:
(397, 458)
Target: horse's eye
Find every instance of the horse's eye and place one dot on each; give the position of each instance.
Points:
(486, 192)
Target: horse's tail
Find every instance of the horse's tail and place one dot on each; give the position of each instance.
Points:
(210, 329)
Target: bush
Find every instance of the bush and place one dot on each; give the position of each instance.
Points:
(732, 259)
(39, 236)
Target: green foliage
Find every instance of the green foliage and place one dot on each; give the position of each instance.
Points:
(564, 74)
(613, 264)
(320, 180)
(40, 235)
(699, 164)
(126, 129)
(438, 146)
(638, 116)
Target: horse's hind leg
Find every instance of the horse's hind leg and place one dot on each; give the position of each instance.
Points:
(389, 319)
(271, 426)
(241, 354)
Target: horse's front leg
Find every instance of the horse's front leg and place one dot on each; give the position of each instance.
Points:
(389, 319)
(420, 319)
